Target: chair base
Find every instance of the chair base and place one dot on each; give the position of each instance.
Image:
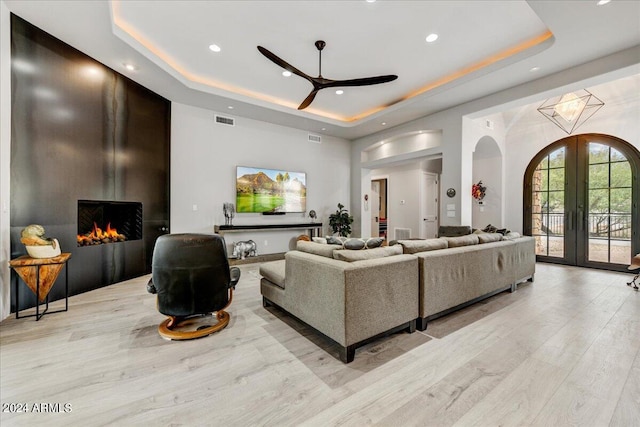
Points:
(166, 328)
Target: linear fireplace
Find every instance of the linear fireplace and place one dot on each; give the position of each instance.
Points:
(103, 222)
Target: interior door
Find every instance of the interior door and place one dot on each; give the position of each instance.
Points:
(374, 205)
(582, 202)
(430, 206)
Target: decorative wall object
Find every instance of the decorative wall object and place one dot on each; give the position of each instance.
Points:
(478, 191)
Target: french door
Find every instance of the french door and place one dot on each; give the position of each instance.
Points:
(581, 202)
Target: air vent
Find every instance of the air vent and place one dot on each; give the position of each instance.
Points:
(225, 120)
(402, 233)
(489, 124)
(315, 138)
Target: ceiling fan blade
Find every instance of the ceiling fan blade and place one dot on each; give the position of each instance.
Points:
(361, 82)
(282, 63)
(307, 101)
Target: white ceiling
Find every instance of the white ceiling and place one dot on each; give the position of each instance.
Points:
(484, 47)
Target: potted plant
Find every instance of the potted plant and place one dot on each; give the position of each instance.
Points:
(340, 221)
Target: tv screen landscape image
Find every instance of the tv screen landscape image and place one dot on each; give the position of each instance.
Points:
(270, 190)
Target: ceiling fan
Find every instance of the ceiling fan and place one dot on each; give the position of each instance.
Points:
(320, 82)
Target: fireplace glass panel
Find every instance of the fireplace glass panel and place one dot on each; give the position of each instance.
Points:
(102, 222)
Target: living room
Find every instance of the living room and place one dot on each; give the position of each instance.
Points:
(439, 139)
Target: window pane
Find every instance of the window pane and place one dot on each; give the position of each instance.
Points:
(599, 226)
(554, 224)
(621, 226)
(556, 201)
(599, 250)
(598, 201)
(598, 153)
(599, 176)
(621, 174)
(556, 179)
(556, 246)
(556, 159)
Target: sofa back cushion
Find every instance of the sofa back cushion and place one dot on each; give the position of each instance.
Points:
(453, 230)
(424, 245)
(359, 255)
(470, 239)
(489, 237)
(317, 248)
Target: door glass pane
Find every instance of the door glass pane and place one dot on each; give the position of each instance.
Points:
(548, 184)
(599, 176)
(620, 174)
(598, 153)
(609, 205)
(556, 179)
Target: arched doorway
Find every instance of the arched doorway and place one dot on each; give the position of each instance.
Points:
(581, 202)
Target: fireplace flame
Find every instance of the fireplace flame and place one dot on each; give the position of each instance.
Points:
(98, 236)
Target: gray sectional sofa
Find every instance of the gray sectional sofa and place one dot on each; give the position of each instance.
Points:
(350, 302)
(355, 296)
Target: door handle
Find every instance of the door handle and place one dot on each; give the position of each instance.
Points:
(569, 220)
(580, 219)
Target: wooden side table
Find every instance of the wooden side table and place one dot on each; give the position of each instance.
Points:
(40, 274)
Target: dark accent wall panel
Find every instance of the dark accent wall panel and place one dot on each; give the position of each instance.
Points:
(81, 131)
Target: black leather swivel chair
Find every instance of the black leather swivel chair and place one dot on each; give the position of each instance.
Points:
(191, 276)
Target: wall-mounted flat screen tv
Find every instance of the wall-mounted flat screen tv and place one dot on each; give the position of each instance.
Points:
(270, 190)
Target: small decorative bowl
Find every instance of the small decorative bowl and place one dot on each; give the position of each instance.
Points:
(46, 251)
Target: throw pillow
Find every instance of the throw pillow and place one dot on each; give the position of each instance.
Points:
(490, 229)
(357, 244)
(512, 235)
(336, 240)
(319, 240)
(503, 231)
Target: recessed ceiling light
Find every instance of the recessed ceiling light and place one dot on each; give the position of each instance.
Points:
(534, 69)
(214, 48)
(230, 107)
(339, 92)
(383, 123)
(432, 37)
(371, 1)
(603, 2)
(286, 73)
(130, 67)
(324, 128)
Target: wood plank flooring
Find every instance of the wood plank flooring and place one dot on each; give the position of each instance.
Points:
(563, 351)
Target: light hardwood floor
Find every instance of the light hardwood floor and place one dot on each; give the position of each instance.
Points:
(562, 351)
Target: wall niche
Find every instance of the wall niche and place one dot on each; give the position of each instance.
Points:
(81, 131)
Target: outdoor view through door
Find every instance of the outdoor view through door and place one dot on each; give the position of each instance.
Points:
(581, 202)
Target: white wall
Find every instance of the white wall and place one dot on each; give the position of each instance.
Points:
(5, 158)
(204, 156)
(403, 185)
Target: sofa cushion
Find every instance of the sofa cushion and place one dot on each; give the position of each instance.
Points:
(359, 255)
(489, 237)
(274, 272)
(511, 235)
(424, 245)
(317, 248)
(471, 239)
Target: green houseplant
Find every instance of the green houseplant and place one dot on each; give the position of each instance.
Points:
(340, 221)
